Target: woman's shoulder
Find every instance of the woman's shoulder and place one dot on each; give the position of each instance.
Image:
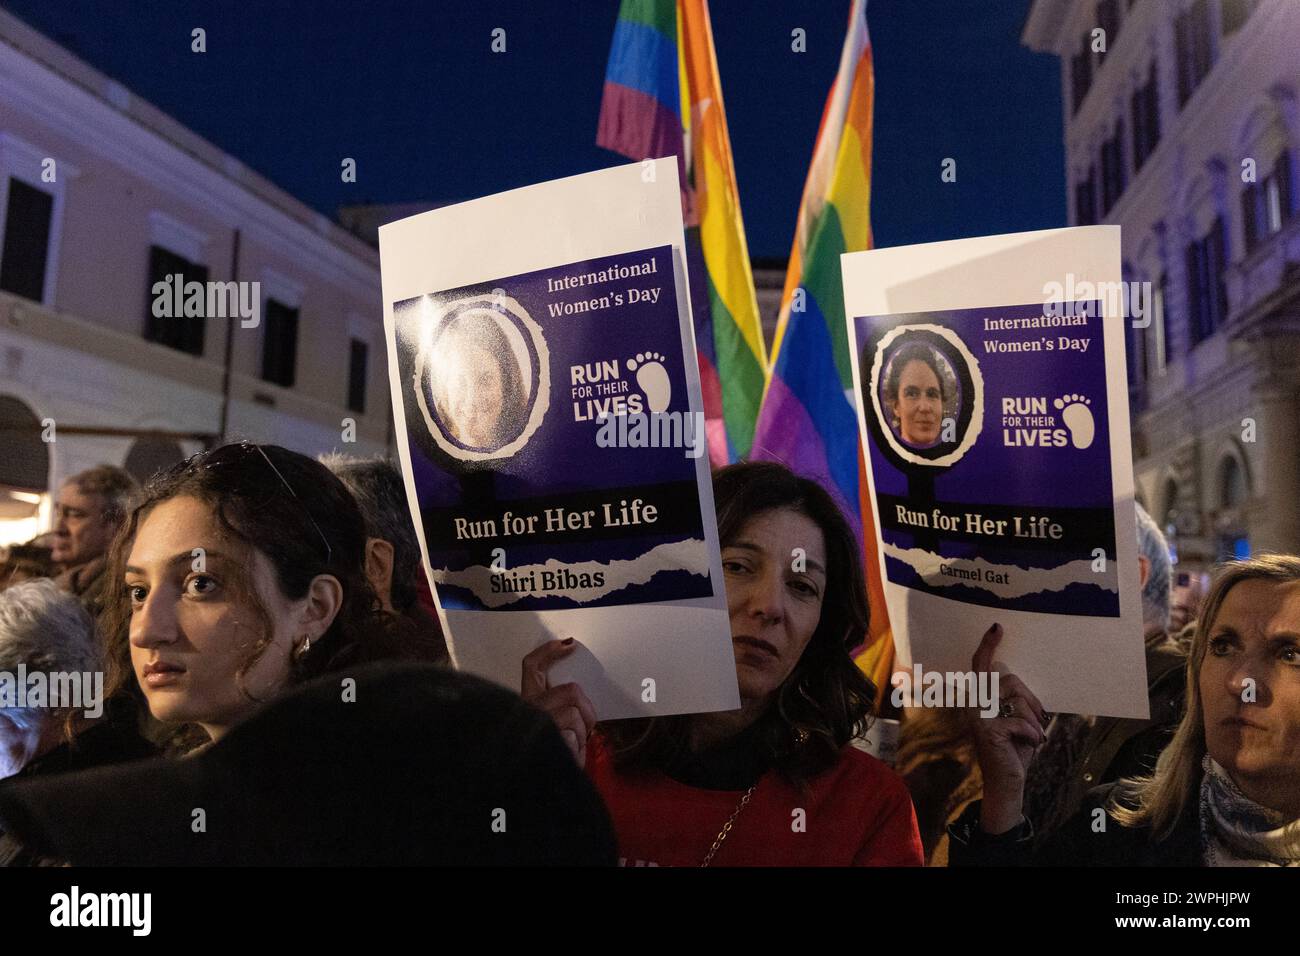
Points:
(1094, 836)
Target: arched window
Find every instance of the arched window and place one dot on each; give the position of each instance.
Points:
(1232, 483)
(25, 464)
(1170, 503)
(24, 472)
(1268, 197)
(150, 455)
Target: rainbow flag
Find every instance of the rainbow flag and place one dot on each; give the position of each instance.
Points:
(807, 419)
(663, 98)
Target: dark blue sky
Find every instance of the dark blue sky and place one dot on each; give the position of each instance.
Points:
(412, 91)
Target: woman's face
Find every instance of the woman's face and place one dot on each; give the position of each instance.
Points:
(919, 405)
(775, 574)
(1250, 689)
(191, 630)
(474, 398)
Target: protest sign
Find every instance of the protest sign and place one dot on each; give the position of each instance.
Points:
(550, 425)
(991, 391)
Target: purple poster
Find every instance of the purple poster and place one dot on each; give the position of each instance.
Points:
(988, 437)
(551, 441)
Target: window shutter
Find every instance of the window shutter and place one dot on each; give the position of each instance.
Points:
(1282, 169)
(1153, 110)
(1183, 55)
(1194, 298)
(1250, 214)
(1218, 255)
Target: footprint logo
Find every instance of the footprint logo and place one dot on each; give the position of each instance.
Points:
(652, 379)
(1078, 418)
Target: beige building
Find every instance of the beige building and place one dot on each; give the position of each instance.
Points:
(1182, 124)
(101, 196)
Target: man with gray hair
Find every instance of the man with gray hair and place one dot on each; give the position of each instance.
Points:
(392, 558)
(1084, 752)
(89, 509)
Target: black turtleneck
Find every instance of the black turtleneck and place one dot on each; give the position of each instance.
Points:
(734, 764)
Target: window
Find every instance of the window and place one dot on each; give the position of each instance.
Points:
(1160, 324)
(280, 347)
(1085, 200)
(1206, 285)
(1232, 484)
(1146, 120)
(1171, 509)
(1108, 20)
(357, 376)
(1112, 169)
(177, 330)
(1138, 362)
(150, 455)
(25, 464)
(1194, 46)
(28, 215)
(1081, 73)
(1235, 14)
(1266, 206)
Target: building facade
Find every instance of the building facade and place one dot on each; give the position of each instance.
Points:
(101, 197)
(1182, 125)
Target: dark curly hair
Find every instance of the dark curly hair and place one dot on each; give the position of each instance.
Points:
(293, 510)
(826, 700)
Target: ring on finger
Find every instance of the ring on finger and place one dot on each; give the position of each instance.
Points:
(1008, 708)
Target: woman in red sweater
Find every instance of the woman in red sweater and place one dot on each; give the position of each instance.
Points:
(777, 781)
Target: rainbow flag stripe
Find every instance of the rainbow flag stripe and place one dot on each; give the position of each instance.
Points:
(807, 419)
(663, 98)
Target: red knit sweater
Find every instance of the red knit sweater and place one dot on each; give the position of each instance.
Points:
(857, 813)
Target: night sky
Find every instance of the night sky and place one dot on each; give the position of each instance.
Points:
(412, 91)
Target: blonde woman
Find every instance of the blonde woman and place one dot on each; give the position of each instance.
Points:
(1225, 792)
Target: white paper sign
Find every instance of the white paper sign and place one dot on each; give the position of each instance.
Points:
(550, 425)
(992, 399)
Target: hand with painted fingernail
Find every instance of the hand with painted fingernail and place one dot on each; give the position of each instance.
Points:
(567, 704)
(1005, 742)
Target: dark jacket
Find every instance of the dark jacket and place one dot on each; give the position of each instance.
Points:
(1114, 747)
(397, 764)
(114, 739)
(88, 582)
(1079, 842)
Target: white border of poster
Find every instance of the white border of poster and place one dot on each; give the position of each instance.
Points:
(684, 646)
(1074, 664)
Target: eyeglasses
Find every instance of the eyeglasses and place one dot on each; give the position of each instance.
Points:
(245, 449)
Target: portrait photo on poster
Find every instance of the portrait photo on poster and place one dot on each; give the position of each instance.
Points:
(926, 392)
(482, 373)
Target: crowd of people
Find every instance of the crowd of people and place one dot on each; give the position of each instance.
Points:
(276, 689)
